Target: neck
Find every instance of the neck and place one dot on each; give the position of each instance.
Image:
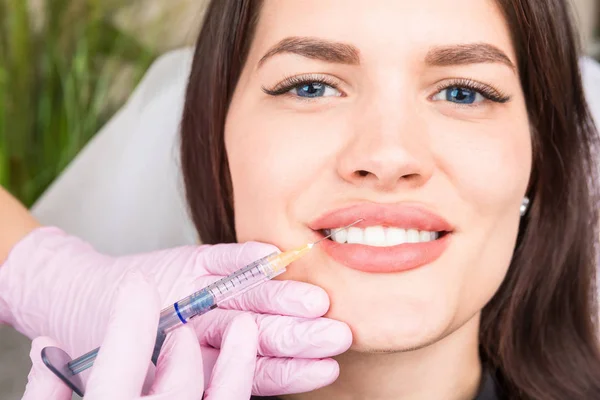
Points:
(448, 369)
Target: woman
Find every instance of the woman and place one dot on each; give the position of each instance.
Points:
(439, 123)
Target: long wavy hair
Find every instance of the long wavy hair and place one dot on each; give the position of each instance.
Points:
(539, 332)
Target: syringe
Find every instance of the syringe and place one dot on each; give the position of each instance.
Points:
(178, 314)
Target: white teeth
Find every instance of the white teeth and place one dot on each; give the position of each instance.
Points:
(355, 235)
(395, 236)
(375, 236)
(380, 236)
(413, 236)
(340, 236)
(424, 236)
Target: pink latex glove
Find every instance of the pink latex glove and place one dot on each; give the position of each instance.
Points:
(56, 285)
(120, 369)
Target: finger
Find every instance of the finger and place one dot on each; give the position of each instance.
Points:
(41, 382)
(233, 373)
(121, 366)
(224, 259)
(280, 336)
(179, 371)
(297, 299)
(279, 376)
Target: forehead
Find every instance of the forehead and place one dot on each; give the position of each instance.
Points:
(384, 28)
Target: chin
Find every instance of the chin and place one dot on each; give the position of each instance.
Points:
(374, 340)
(396, 330)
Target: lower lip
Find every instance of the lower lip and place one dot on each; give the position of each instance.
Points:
(391, 259)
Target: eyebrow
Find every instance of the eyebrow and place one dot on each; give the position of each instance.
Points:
(342, 53)
(472, 53)
(318, 49)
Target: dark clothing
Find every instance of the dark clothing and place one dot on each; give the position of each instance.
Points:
(490, 389)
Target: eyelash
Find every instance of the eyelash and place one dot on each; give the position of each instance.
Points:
(292, 82)
(487, 91)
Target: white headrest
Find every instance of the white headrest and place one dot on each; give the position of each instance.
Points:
(123, 193)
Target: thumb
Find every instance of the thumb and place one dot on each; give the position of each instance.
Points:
(41, 382)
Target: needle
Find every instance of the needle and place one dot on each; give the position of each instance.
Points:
(282, 260)
(337, 230)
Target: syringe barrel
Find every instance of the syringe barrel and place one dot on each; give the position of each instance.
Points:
(181, 312)
(243, 279)
(199, 303)
(216, 293)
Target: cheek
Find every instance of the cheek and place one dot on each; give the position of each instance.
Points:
(489, 171)
(487, 166)
(275, 158)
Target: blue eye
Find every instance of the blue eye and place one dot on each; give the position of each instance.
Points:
(459, 95)
(306, 87)
(314, 89)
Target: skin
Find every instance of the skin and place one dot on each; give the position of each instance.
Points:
(415, 332)
(16, 223)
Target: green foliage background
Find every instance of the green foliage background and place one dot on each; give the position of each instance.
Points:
(57, 68)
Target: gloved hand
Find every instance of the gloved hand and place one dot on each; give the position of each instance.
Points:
(56, 285)
(120, 369)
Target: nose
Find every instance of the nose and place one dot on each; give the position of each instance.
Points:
(387, 151)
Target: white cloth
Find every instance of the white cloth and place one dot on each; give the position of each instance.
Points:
(123, 193)
(590, 74)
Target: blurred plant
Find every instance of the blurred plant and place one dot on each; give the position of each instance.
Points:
(59, 60)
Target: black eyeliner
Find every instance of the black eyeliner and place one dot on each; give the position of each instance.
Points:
(295, 81)
(486, 91)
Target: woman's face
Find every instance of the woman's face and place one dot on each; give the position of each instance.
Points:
(407, 114)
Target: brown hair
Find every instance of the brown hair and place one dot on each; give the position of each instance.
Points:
(539, 331)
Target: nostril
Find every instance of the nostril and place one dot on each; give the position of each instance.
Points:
(362, 173)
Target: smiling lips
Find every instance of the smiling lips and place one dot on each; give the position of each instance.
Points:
(390, 238)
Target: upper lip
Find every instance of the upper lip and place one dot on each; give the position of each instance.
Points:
(406, 216)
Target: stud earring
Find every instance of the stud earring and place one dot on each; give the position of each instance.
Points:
(524, 205)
